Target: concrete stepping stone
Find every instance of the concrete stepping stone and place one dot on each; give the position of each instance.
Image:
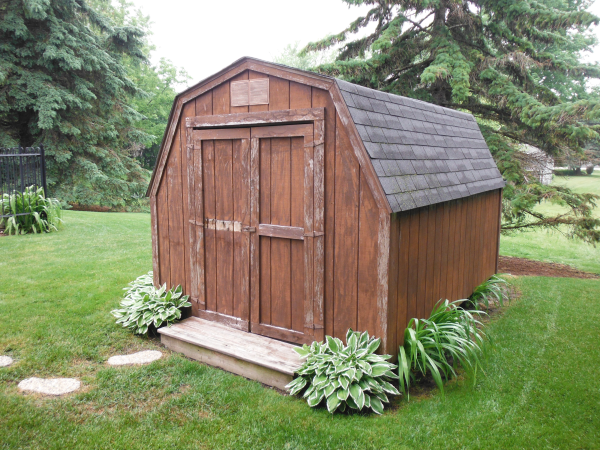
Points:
(50, 386)
(143, 357)
(5, 361)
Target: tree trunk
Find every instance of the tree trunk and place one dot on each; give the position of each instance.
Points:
(441, 91)
(26, 139)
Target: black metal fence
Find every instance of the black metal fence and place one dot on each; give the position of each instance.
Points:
(20, 168)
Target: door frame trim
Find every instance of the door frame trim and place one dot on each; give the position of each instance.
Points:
(315, 117)
(256, 118)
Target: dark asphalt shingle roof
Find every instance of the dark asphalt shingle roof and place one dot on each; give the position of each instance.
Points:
(422, 153)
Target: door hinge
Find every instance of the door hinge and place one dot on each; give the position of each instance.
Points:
(249, 229)
(318, 327)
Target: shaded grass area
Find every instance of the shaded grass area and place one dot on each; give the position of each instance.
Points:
(553, 246)
(540, 390)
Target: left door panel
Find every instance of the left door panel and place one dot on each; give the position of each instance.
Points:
(219, 187)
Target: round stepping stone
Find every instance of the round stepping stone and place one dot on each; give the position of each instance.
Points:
(5, 361)
(50, 386)
(144, 357)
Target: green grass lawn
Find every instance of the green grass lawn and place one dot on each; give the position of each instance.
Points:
(56, 291)
(553, 246)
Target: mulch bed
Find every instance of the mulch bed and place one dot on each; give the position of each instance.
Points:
(94, 208)
(529, 267)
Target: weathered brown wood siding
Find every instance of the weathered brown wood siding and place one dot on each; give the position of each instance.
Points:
(440, 252)
(351, 213)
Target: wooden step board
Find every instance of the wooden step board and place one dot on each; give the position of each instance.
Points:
(256, 357)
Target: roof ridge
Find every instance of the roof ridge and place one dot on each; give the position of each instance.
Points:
(347, 86)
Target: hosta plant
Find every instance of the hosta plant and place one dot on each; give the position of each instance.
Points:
(450, 336)
(38, 214)
(144, 306)
(493, 289)
(347, 376)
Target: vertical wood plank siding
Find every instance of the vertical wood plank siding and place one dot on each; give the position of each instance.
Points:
(464, 233)
(175, 206)
(434, 252)
(351, 213)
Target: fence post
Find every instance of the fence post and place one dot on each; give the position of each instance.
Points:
(21, 175)
(43, 158)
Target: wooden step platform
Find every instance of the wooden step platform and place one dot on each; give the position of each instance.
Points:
(256, 357)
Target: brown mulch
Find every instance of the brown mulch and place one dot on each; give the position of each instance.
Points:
(529, 267)
(94, 208)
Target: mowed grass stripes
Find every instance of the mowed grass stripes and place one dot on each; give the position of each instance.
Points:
(56, 293)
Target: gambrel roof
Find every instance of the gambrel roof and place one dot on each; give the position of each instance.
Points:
(422, 153)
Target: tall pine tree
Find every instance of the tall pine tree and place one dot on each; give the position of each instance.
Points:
(514, 64)
(63, 83)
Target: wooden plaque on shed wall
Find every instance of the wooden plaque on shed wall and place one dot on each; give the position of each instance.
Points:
(250, 92)
(259, 91)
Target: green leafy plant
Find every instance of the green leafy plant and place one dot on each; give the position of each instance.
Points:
(450, 336)
(493, 289)
(43, 214)
(350, 376)
(144, 306)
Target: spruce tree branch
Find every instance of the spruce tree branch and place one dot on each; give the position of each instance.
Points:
(402, 70)
(450, 27)
(472, 45)
(542, 221)
(480, 108)
(418, 24)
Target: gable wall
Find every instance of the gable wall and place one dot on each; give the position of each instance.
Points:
(351, 213)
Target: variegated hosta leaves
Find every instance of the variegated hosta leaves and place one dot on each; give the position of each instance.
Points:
(350, 376)
(144, 305)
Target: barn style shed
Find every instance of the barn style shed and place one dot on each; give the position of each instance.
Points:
(291, 205)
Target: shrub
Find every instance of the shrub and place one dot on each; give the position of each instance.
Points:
(494, 288)
(145, 306)
(436, 345)
(589, 169)
(564, 172)
(44, 213)
(350, 376)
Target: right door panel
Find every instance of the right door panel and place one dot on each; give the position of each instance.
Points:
(283, 247)
(282, 259)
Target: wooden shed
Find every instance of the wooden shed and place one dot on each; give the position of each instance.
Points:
(292, 205)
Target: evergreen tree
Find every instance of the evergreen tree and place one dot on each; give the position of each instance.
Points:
(514, 64)
(159, 82)
(63, 82)
(290, 56)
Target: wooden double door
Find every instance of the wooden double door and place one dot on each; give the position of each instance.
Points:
(253, 190)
